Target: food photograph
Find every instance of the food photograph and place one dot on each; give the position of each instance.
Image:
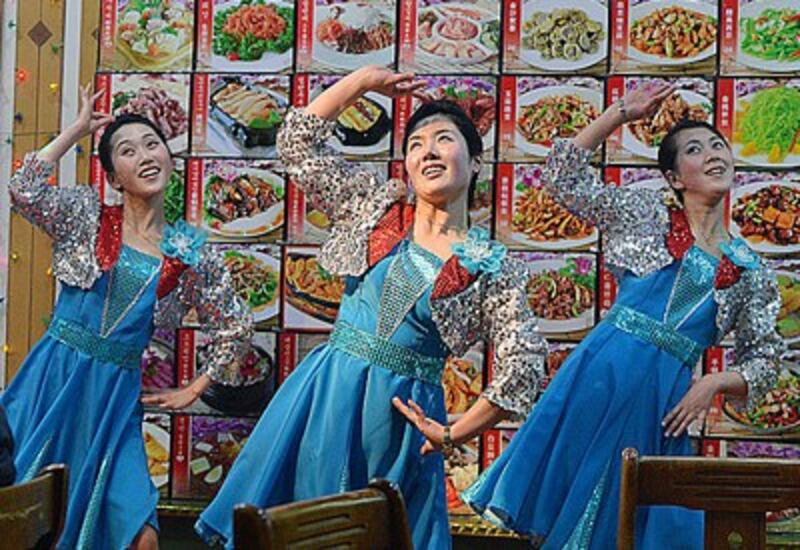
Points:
(311, 294)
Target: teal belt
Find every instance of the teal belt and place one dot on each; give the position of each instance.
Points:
(386, 354)
(662, 336)
(106, 350)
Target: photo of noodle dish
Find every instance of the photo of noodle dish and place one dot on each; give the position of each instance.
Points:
(672, 32)
(642, 137)
(157, 449)
(561, 293)
(768, 32)
(459, 34)
(161, 98)
(255, 276)
(309, 288)
(245, 114)
(242, 201)
(463, 382)
(563, 35)
(767, 216)
(553, 112)
(249, 34)
(767, 126)
(352, 34)
(788, 322)
(156, 35)
(778, 412)
(538, 221)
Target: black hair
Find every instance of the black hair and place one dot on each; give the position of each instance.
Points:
(462, 122)
(104, 147)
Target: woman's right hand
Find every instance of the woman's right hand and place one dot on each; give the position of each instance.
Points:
(374, 78)
(89, 120)
(643, 102)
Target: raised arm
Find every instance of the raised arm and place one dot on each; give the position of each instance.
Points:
(50, 207)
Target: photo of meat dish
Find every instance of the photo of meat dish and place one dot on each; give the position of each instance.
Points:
(539, 218)
(361, 31)
(558, 297)
(458, 33)
(650, 131)
(157, 105)
(556, 116)
(245, 196)
(250, 113)
(674, 32)
(769, 215)
(363, 123)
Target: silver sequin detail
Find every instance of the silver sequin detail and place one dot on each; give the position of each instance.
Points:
(495, 308)
(386, 354)
(70, 215)
(354, 199)
(750, 308)
(634, 222)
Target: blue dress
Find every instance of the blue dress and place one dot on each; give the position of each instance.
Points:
(75, 400)
(558, 481)
(331, 426)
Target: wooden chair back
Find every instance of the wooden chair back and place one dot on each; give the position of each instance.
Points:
(735, 494)
(373, 518)
(32, 513)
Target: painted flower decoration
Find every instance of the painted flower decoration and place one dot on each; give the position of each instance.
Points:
(479, 252)
(740, 254)
(183, 241)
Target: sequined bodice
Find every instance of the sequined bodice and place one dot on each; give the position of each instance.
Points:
(119, 306)
(392, 299)
(679, 295)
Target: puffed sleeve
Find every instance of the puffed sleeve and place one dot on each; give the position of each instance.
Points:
(223, 316)
(61, 211)
(495, 308)
(330, 183)
(570, 179)
(758, 346)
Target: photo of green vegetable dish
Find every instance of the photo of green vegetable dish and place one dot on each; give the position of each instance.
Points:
(774, 35)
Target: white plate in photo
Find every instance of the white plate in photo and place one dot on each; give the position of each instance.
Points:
(792, 160)
(582, 322)
(594, 10)
(161, 437)
(764, 247)
(446, 11)
(253, 226)
(753, 10)
(351, 14)
(269, 310)
(632, 144)
(273, 62)
(641, 11)
(595, 97)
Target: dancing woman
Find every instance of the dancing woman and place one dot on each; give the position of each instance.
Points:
(76, 398)
(419, 287)
(683, 285)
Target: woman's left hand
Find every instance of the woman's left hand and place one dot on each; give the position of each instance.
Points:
(432, 430)
(693, 406)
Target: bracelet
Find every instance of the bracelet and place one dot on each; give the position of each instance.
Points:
(447, 442)
(621, 107)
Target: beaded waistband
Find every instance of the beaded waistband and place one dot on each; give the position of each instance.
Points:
(103, 349)
(386, 354)
(657, 333)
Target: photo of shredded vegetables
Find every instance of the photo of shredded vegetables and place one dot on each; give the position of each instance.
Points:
(650, 131)
(553, 112)
(768, 36)
(174, 198)
(788, 322)
(250, 29)
(562, 294)
(778, 412)
(311, 289)
(540, 221)
(767, 127)
(767, 215)
(673, 34)
(255, 278)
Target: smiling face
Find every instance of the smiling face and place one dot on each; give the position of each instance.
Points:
(703, 164)
(142, 162)
(438, 162)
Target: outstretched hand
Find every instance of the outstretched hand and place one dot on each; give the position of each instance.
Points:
(172, 400)
(89, 120)
(389, 83)
(694, 406)
(644, 101)
(432, 430)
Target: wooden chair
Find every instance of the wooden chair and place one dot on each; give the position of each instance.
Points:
(32, 513)
(372, 518)
(735, 494)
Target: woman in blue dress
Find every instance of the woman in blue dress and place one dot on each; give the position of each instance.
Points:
(683, 284)
(76, 398)
(418, 288)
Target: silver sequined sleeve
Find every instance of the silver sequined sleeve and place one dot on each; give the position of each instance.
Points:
(329, 182)
(758, 345)
(573, 183)
(495, 308)
(61, 211)
(222, 314)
